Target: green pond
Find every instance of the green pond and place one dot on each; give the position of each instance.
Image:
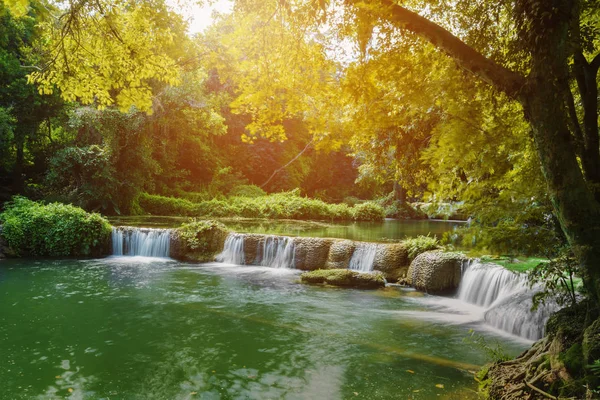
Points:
(388, 230)
(143, 328)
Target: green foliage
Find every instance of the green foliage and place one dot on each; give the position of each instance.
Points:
(420, 244)
(286, 205)
(493, 350)
(84, 176)
(558, 278)
(344, 277)
(247, 191)
(56, 230)
(368, 212)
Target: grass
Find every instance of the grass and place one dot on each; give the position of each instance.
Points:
(516, 264)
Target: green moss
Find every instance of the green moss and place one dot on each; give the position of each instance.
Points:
(483, 380)
(344, 278)
(516, 264)
(568, 322)
(573, 359)
(199, 240)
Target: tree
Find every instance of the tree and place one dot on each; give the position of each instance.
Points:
(530, 64)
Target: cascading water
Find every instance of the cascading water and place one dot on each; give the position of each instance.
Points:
(507, 299)
(278, 252)
(145, 242)
(483, 284)
(363, 257)
(233, 250)
(271, 251)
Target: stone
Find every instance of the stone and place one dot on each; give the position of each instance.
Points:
(436, 271)
(340, 253)
(312, 253)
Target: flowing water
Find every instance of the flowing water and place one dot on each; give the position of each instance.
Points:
(154, 328)
(363, 257)
(506, 299)
(145, 242)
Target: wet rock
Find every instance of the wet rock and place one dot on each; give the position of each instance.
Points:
(436, 271)
(344, 278)
(312, 253)
(340, 253)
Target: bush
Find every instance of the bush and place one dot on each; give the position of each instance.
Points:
(194, 233)
(420, 244)
(56, 230)
(368, 212)
(161, 205)
(247, 191)
(289, 205)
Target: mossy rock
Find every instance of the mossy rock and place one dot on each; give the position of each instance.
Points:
(198, 241)
(344, 278)
(591, 342)
(568, 324)
(436, 271)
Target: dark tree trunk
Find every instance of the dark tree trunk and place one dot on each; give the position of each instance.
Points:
(399, 193)
(18, 183)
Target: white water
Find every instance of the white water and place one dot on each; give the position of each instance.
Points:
(278, 252)
(272, 251)
(233, 250)
(506, 299)
(144, 242)
(363, 257)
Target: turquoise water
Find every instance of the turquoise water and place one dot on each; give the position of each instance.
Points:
(388, 230)
(141, 328)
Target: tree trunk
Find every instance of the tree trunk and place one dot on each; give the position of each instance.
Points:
(572, 197)
(18, 183)
(399, 193)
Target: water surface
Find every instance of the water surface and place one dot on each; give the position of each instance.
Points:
(387, 230)
(144, 328)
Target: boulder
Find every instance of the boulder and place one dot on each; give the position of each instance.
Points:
(392, 260)
(344, 278)
(211, 243)
(340, 253)
(436, 271)
(312, 253)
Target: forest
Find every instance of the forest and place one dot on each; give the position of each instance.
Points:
(332, 111)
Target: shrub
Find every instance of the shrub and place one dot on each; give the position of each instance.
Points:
(247, 191)
(55, 229)
(420, 244)
(368, 212)
(161, 205)
(276, 206)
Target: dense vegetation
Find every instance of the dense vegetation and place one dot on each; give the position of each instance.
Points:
(56, 230)
(288, 205)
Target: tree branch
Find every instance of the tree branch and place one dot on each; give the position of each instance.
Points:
(465, 56)
(285, 166)
(596, 62)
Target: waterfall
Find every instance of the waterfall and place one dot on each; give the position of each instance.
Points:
(507, 299)
(145, 242)
(483, 284)
(278, 252)
(363, 257)
(233, 250)
(271, 251)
